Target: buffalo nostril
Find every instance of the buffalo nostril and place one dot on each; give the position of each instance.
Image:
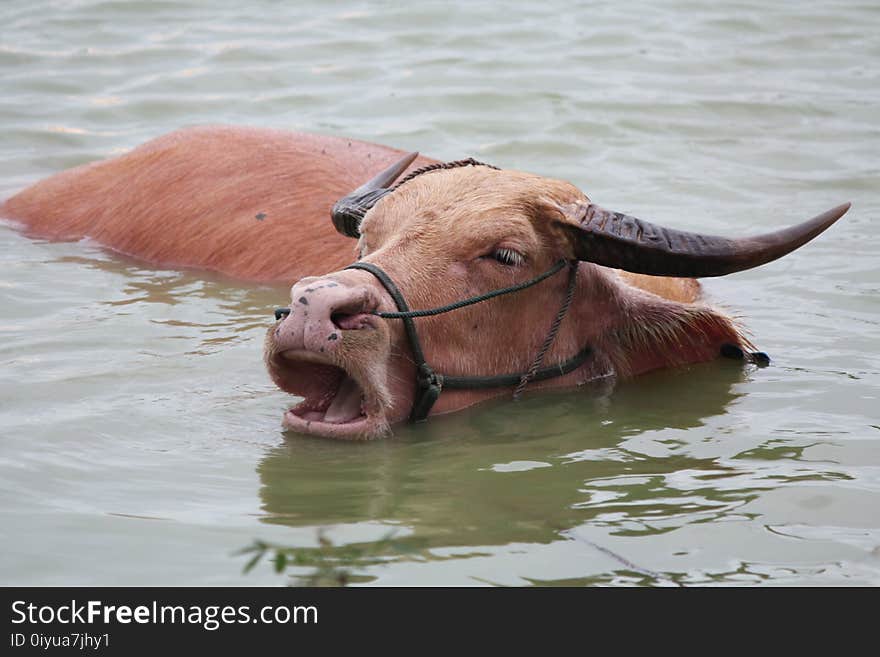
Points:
(352, 321)
(339, 317)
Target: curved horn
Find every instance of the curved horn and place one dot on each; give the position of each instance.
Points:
(617, 240)
(350, 210)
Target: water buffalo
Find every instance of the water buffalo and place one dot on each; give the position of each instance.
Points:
(468, 280)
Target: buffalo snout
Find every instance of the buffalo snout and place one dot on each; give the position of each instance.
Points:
(321, 309)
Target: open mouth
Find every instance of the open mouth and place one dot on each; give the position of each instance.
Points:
(335, 403)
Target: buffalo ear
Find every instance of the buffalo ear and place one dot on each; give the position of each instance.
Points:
(656, 333)
(621, 241)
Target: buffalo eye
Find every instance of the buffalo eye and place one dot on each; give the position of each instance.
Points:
(508, 257)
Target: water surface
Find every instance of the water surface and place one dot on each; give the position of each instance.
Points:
(139, 435)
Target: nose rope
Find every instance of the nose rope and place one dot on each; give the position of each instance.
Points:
(466, 302)
(551, 335)
(431, 383)
(437, 166)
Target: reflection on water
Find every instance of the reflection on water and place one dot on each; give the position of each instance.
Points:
(477, 470)
(137, 425)
(518, 472)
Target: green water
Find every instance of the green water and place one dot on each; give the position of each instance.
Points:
(140, 438)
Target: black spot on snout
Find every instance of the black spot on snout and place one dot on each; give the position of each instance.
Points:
(332, 336)
(260, 216)
(304, 301)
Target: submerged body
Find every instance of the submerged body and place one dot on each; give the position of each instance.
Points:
(250, 203)
(255, 204)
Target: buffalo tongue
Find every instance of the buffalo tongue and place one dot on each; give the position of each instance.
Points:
(346, 405)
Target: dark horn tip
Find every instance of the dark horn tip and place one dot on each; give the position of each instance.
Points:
(839, 211)
(408, 159)
(395, 170)
(386, 177)
(829, 217)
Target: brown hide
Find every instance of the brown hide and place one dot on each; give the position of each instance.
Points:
(251, 203)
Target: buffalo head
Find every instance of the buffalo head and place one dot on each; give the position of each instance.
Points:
(459, 232)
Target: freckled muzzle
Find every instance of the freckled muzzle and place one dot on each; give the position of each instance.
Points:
(329, 349)
(320, 310)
